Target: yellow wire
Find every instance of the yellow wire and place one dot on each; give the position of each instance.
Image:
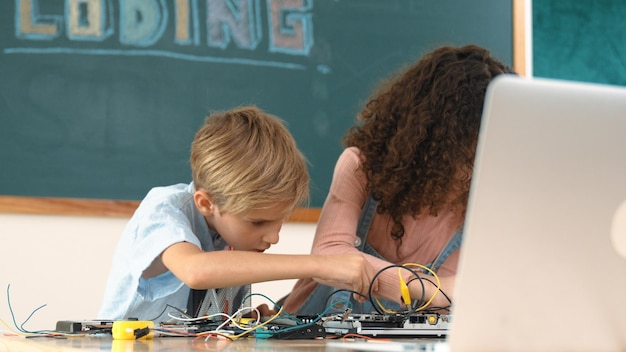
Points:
(11, 329)
(380, 305)
(436, 279)
(402, 281)
(235, 337)
(260, 325)
(208, 334)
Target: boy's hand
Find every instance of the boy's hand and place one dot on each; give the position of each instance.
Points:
(348, 271)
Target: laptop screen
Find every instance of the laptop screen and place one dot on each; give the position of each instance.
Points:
(542, 264)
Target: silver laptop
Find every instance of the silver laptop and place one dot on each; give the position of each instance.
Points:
(543, 262)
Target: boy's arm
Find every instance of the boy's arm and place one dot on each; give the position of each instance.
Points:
(202, 270)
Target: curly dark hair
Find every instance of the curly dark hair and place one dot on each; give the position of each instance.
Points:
(417, 135)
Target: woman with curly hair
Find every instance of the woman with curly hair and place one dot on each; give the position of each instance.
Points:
(400, 188)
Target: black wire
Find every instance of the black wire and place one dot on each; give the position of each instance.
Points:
(374, 303)
(170, 306)
(437, 310)
(432, 309)
(440, 290)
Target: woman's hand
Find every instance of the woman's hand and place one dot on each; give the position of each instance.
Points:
(264, 310)
(440, 300)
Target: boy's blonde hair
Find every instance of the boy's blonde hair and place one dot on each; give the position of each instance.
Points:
(246, 159)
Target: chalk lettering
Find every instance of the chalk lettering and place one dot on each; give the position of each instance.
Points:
(240, 22)
(30, 24)
(144, 27)
(87, 19)
(291, 26)
(187, 23)
(142, 22)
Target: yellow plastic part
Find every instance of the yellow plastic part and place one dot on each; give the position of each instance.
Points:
(404, 290)
(125, 330)
(432, 320)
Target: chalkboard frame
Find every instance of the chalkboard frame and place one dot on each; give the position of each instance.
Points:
(124, 208)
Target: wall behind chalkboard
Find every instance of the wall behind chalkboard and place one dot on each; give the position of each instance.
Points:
(582, 40)
(100, 99)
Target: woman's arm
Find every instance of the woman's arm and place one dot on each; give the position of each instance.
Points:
(439, 300)
(336, 230)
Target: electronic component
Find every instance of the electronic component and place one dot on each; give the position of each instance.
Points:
(133, 330)
(414, 324)
(300, 333)
(69, 326)
(86, 326)
(342, 327)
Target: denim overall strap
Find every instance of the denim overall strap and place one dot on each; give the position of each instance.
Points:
(363, 226)
(453, 244)
(365, 220)
(367, 215)
(323, 296)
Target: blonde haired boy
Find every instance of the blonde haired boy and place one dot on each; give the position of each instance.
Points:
(208, 236)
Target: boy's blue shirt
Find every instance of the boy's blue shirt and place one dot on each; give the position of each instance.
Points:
(167, 215)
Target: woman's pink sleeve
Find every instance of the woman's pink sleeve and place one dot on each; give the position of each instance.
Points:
(336, 229)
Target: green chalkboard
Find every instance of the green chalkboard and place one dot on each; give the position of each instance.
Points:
(581, 40)
(100, 99)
